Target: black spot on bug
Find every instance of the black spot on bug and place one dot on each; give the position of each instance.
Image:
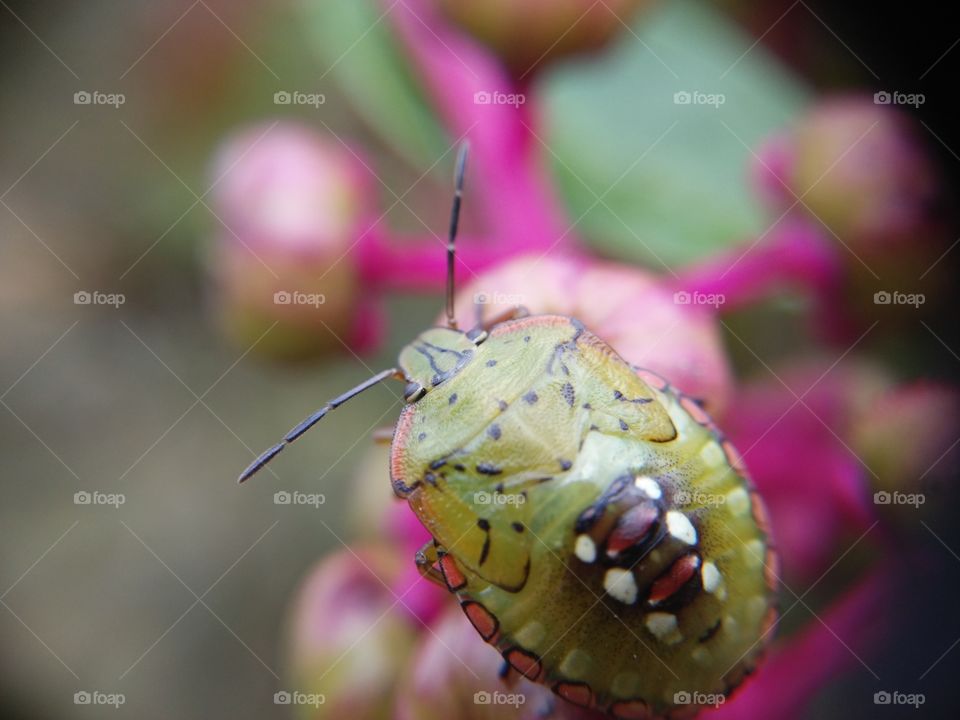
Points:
(459, 468)
(711, 631)
(517, 526)
(568, 393)
(623, 425)
(530, 398)
(587, 406)
(494, 431)
(503, 405)
(437, 464)
(594, 427)
(453, 399)
(483, 524)
(617, 395)
(491, 363)
(565, 464)
(499, 488)
(421, 437)
(431, 479)
(486, 468)
(526, 339)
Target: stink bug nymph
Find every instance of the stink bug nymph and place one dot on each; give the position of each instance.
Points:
(592, 521)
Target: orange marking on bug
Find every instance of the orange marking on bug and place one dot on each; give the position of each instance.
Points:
(734, 458)
(771, 569)
(525, 663)
(766, 627)
(676, 576)
(404, 425)
(696, 411)
(657, 382)
(482, 619)
(532, 321)
(759, 511)
(576, 693)
(632, 527)
(631, 710)
(455, 579)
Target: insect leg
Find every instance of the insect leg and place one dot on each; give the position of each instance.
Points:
(426, 559)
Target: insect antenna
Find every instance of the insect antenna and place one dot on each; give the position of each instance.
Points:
(454, 221)
(312, 420)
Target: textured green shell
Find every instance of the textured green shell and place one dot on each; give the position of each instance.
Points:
(591, 520)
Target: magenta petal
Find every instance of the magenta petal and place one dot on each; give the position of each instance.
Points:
(787, 681)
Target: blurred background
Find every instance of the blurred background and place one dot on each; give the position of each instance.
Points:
(173, 585)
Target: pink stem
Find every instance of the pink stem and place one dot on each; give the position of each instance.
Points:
(793, 254)
(517, 197)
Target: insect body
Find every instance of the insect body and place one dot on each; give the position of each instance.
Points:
(591, 520)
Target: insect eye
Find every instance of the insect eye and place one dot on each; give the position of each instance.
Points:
(413, 392)
(477, 335)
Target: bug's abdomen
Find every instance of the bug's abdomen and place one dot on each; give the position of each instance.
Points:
(652, 576)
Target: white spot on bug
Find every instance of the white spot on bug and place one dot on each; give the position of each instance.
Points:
(738, 500)
(648, 485)
(711, 577)
(576, 663)
(626, 684)
(664, 627)
(712, 454)
(620, 585)
(701, 656)
(531, 634)
(681, 528)
(731, 627)
(585, 549)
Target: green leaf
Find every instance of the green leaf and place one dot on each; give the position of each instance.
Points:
(673, 178)
(356, 45)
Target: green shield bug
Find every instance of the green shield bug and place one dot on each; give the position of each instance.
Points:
(594, 524)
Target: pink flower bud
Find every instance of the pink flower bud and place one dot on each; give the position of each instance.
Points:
(650, 325)
(289, 207)
(455, 674)
(528, 34)
(348, 638)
